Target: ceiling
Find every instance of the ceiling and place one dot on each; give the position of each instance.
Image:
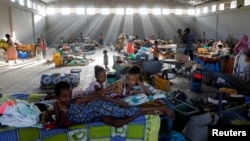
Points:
(124, 3)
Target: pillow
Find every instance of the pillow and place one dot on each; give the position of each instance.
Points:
(136, 99)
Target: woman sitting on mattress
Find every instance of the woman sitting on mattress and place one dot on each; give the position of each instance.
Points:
(131, 89)
(125, 87)
(94, 108)
(241, 67)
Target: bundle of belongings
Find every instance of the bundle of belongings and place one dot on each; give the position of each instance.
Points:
(199, 124)
(49, 81)
(143, 54)
(71, 60)
(66, 59)
(19, 113)
(85, 48)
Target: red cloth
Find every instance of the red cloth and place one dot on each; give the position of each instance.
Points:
(44, 46)
(130, 48)
(11, 53)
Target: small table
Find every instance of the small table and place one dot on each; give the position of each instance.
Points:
(172, 62)
(169, 48)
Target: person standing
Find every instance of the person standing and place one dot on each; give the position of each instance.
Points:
(105, 59)
(179, 41)
(188, 41)
(38, 49)
(130, 47)
(101, 36)
(241, 68)
(44, 48)
(156, 51)
(11, 53)
(61, 42)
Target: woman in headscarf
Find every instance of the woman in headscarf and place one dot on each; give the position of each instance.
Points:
(241, 67)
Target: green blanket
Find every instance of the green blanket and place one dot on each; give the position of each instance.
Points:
(144, 128)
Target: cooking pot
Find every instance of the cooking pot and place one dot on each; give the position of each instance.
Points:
(238, 98)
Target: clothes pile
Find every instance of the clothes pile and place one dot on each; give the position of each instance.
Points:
(19, 113)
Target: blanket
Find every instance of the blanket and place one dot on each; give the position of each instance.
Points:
(143, 128)
(23, 96)
(49, 81)
(79, 62)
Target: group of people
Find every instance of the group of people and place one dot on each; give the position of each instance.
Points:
(133, 45)
(100, 103)
(241, 69)
(184, 42)
(11, 52)
(41, 48)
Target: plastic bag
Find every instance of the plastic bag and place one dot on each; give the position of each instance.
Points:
(199, 124)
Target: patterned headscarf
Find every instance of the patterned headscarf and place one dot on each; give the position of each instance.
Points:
(244, 38)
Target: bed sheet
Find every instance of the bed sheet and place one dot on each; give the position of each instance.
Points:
(144, 128)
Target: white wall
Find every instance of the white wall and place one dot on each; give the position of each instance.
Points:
(22, 25)
(25, 23)
(28, 24)
(5, 20)
(70, 26)
(224, 24)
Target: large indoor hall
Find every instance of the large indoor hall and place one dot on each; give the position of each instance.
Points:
(123, 70)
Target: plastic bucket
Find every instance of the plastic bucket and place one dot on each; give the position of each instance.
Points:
(196, 86)
(22, 55)
(77, 73)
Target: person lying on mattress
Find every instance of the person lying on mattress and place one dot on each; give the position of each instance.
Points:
(95, 108)
(122, 90)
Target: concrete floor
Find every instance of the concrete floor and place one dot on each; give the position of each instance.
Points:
(24, 77)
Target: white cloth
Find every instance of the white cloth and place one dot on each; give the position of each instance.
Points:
(136, 99)
(241, 67)
(22, 114)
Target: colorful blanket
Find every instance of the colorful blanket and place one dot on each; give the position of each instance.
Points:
(49, 81)
(143, 128)
(23, 96)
